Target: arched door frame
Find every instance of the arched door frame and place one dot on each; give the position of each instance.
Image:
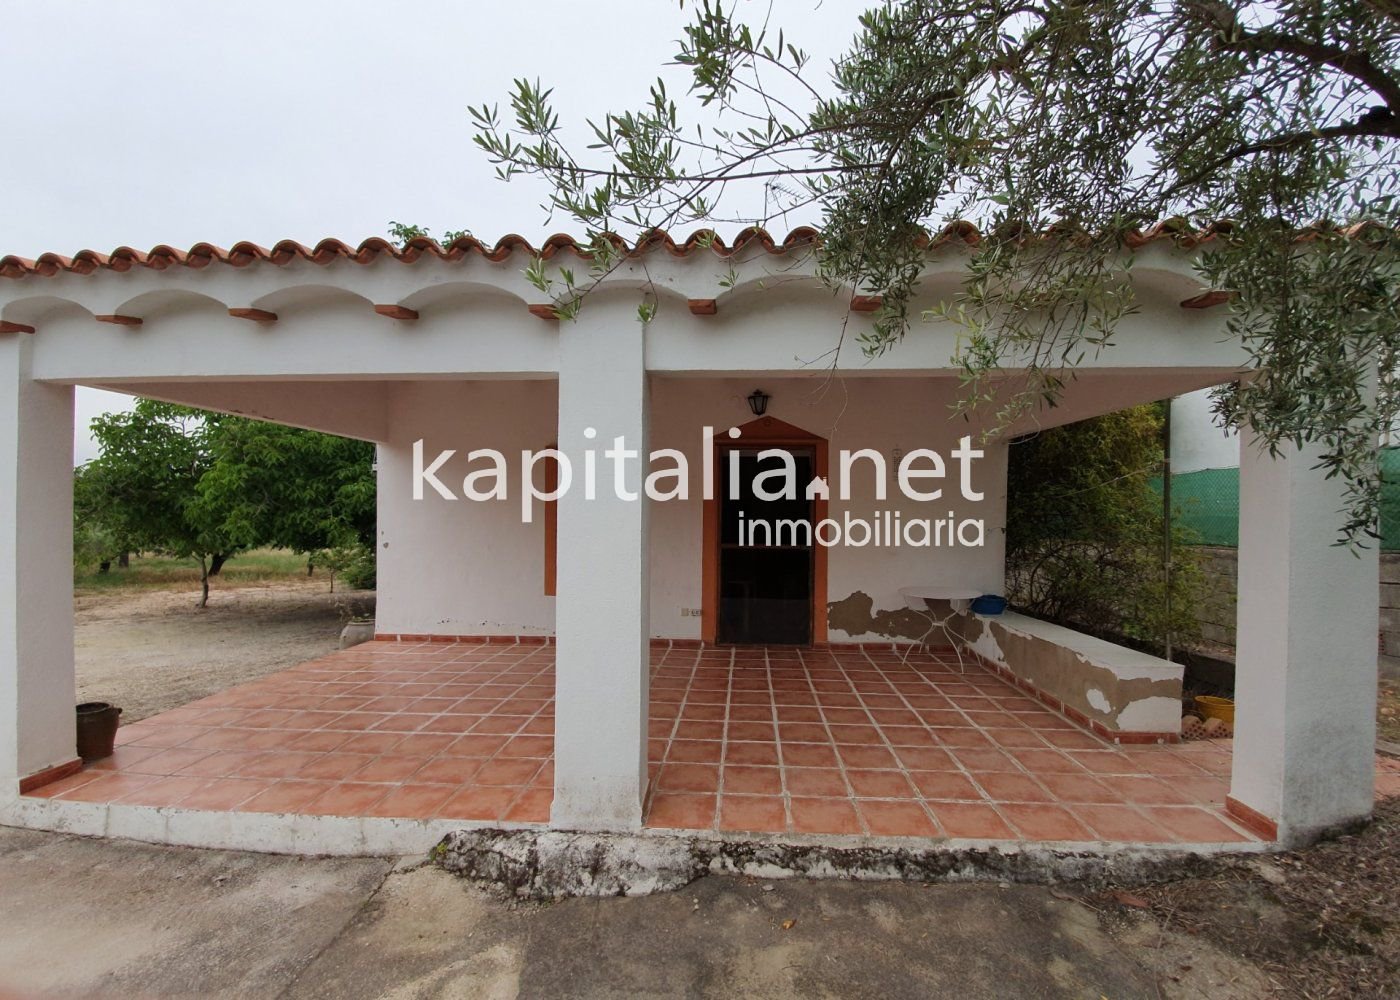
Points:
(764, 432)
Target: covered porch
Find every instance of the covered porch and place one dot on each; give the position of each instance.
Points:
(857, 743)
(577, 719)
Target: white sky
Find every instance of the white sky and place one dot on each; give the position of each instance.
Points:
(172, 122)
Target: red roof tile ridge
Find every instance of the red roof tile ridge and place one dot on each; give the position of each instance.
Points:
(1180, 231)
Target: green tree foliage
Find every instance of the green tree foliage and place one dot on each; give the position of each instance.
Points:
(1084, 531)
(1059, 130)
(204, 485)
(287, 487)
(144, 485)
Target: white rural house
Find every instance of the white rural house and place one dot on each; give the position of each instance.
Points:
(424, 349)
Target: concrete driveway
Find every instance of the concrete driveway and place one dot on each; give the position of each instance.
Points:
(85, 918)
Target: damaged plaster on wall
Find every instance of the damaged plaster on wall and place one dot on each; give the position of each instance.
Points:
(856, 615)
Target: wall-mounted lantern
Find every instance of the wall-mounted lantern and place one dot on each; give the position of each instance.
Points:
(758, 402)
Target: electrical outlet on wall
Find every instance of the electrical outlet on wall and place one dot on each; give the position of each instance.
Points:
(691, 613)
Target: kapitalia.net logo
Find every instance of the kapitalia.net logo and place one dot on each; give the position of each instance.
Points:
(769, 495)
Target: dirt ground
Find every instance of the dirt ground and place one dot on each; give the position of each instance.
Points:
(173, 922)
(149, 650)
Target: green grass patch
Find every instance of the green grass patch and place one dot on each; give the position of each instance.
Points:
(247, 568)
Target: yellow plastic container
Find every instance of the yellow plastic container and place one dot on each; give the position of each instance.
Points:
(1216, 708)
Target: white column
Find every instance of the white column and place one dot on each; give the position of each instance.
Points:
(1305, 676)
(601, 622)
(36, 569)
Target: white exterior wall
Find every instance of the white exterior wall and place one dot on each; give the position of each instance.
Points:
(1305, 675)
(1197, 443)
(37, 688)
(462, 567)
(884, 414)
(469, 567)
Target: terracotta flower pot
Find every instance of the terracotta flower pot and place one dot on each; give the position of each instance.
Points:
(97, 730)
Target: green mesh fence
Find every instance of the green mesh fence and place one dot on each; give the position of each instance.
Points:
(1208, 502)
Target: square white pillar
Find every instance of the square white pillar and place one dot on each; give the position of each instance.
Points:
(1305, 675)
(37, 687)
(601, 613)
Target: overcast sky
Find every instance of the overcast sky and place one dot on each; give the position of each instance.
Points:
(172, 122)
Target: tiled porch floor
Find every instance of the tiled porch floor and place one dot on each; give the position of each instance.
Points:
(774, 740)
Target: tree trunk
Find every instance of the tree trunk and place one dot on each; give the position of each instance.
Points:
(124, 560)
(310, 567)
(104, 565)
(217, 563)
(203, 582)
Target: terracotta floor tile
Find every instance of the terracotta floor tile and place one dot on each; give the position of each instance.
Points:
(909, 736)
(1038, 821)
(388, 768)
(448, 771)
(746, 780)
(971, 820)
(758, 754)
(475, 745)
(532, 806)
(412, 801)
(123, 758)
(945, 785)
(926, 758)
(1079, 787)
(867, 757)
(750, 732)
(56, 788)
(1046, 761)
(1071, 739)
(1121, 823)
(682, 811)
(286, 796)
(163, 791)
(814, 781)
(319, 741)
(225, 793)
(1191, 824)
(896, 819)
(803, 732)
(880, 784)
(682, 777)
(1144, 790)
(424, 719)
(855, 736)
(1003, 786)
(753, 813)
(698, 730)
(346, 799)
(105, 787)
(696, 751)
(501, 771)
(1016, 738)
(1106, 762)
(425, 744)
(520, 747)
(277, 764)
(809, 755)
(824, 816)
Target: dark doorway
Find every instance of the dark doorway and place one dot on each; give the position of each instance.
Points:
(766, 553)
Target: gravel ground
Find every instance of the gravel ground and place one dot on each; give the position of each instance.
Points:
(152, 650)
(1323, 922)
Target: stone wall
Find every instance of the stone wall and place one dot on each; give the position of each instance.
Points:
(1217, 613)
(1220, 567)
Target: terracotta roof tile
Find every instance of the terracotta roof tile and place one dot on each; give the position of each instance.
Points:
(284, 252)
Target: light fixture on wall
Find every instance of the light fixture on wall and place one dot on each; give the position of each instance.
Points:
(758, 402)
